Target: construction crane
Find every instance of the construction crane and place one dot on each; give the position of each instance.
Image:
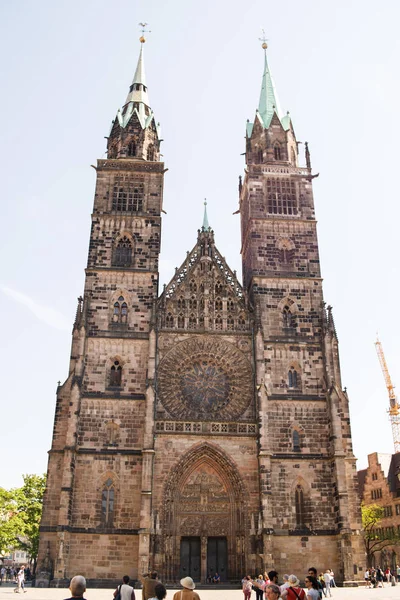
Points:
(394, 407)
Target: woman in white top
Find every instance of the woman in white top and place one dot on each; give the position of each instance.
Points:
(312, 592)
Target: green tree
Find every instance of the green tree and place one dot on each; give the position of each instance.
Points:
(20, 514)
(376, 538)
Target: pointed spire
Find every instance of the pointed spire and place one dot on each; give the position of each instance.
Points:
(138, 89)
(269, 101)
(205, 226)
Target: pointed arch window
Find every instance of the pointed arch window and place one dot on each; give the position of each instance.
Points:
(132, 148)
(192, 322)
(288, 318)
(230, 305)
(181, 303)
(169, 321)
(299, 507)
(193, 287)
(230, 323)
(107, 503)
(296, 441)
(150, 152)
(218, 287)
(201, 321)
(218, 323)
(277, 152)
(242, 323)
(293, 378)
(116, 374)
(260, 156)
(120, 313)
(122, 255)
(218, 304)
(181, 321)
(193, 303)
(112, 433)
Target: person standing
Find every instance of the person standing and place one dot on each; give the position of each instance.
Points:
(149, 585)
(127, 592)
(160, 592)
(398, 572)
(294, 591)
(259, 584)
(327, 581)
(272, 592)
(187, 593)
(77, 587)
(312, 588)
(312, 572)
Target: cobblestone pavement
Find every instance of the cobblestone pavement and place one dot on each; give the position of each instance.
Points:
(387, 593)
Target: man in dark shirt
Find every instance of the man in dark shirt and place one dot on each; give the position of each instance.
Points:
(77, 587)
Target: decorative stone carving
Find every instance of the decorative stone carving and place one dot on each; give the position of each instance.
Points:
(205, 378)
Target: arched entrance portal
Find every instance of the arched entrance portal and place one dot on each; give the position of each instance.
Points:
(204, 521)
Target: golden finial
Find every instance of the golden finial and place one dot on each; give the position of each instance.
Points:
(142, 39)
(263, 39)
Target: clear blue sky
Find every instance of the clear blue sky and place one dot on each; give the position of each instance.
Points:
(66, 68)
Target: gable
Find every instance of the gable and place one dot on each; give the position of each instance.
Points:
(204, 294)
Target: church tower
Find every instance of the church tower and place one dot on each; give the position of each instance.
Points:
(101, 456)
(202, 429)
(307, 468)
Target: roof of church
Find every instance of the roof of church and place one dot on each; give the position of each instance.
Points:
(269, 101)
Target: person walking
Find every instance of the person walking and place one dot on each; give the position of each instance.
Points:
(327, 581)
(20, 581)
(247, 586)
(187, 593)
(125, 590)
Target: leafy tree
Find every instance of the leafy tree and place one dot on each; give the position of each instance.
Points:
(20, 514)
(376, 538)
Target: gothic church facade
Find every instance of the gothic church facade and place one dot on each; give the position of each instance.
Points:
(203, 429)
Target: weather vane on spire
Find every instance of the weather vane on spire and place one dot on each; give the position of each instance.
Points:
(264, 40)
(143, 26)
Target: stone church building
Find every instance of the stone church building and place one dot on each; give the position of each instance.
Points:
(203, 427)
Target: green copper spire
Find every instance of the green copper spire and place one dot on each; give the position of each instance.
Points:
(205, 226)
(269, 101)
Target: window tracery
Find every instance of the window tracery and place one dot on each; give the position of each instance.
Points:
(150, 152)
(116, 374)
(293, 379)
(122, 255)
(296, 441)
(128, 195)
(299, 507)
(120, 312)
(169, 321)
(281, 194)
(107, 503)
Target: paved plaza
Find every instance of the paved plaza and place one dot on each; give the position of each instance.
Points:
(387, 593)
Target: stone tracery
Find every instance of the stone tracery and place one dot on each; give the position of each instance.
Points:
(205, 378)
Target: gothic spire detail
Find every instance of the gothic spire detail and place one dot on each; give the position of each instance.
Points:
(137, 100)
(205, 226)
(269, 101)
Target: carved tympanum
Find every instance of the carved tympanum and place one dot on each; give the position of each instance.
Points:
(205, 378)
